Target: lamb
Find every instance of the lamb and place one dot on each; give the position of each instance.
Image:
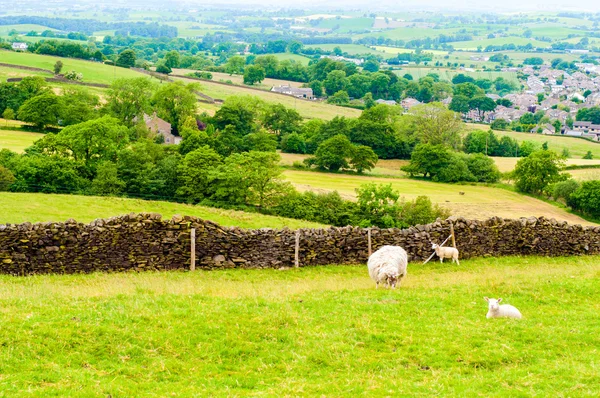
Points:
(495, 310)
(388, 265)
(445, 252)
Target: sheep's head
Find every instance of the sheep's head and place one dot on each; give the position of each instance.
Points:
(434, 246)
(493, 304)
(392, 279)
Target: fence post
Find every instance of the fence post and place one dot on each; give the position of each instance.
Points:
(369, 240)
(297, 250)
(193, 250)
(452, 233)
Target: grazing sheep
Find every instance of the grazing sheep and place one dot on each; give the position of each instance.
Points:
(495, 310)
(445, 252)
(388, 265)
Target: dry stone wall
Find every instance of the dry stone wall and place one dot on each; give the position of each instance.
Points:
(138, 242)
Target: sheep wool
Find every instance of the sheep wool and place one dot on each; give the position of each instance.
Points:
(446, 252)
(388, 266)
(495, 310)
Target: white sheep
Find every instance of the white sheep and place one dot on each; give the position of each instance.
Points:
(446, 252)
(495, 310)
(388, 265)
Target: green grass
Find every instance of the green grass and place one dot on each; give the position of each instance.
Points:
(448, 74)
(8, 72)
(22, 207)
(353, 49)
(93, 72)
(345, 25)
(291, 57)
(498, 41)
(317, 331)
(14, 140)
(478, 202)
(308, 109)
(23, 28)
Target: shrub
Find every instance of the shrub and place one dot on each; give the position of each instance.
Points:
(483, 168)
(564, 189)
(535, 172)
(7, 178)
(75, 76)
(587, 198)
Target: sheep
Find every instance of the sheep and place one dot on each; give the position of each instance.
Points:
(446, 252)
(388, 265)
(501, 311)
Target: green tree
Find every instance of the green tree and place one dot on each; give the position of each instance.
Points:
(129, 99)
(107, 181)
(7, 178)
(42, 110)
(235, 65)
(163, 68)
(269, 63)
(428, 160)
(459, 104)
(175, 102)
(295, 46)
(8, 114)
(261, 141)
(126, 59)
(363, 158)
(587, 198)
(482, 104)
(435, 124)
(483, 168)
(58, 65)
(339, 98)
(281, 120)
(333, 154)
(535, 172)
(78, 105)
(588, 155)
(195, 173)
(254, 74)
(172, 59)
(336, 81)
(371, 65)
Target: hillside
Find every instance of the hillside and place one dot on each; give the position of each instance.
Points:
(22, 207)
(16, 141)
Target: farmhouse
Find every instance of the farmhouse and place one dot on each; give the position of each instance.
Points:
(294, 91)
(18, 46)
(408, 103)
(161, 127)
(586, 127)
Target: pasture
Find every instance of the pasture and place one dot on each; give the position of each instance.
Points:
(352, 49)
(37, 207)
(478, 201)
(308, 109)
(266, 84)
(15, 140)
(316, 331)
(499, 41)
(93, 72)
(447, 74)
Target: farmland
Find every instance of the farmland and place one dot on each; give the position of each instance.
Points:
(16, 141)
(32, 207)
(319, 330)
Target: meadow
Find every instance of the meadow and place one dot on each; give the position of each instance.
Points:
(447, 74)
(352, 49)
(37, 207)
(16, 141)
(266, 84)
(478, 201)
(316, 331)
(498, 41)
(93, 72)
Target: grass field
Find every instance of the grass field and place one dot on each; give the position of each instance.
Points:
(317, 331)
(266, 84)
(23, 29)
(16, 141)
(22, 207)
(308, 109)
(8, 72)
(508, 164)
(447, 74)
(349, 48)
(498, 41)
(93, 72)
(478, 202)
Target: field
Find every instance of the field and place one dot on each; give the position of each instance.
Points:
(93, 72)
(317, 331)
(291, 57)
(23, 29)
(352, 49)
(21, 207)
(498, 41)
(16, 141)
(266, 84)
(508, 164)
(308, 109)
(448, 74)
(478, 202)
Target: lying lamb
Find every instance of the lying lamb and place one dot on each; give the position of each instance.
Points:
(445, 252)
(495, 310)
(388, 265)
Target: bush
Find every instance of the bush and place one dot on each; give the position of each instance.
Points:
(75, 76)
(564, 189)
(483, 168)
(293, 143)
(455, 171)
(7, 178)
(500, 124)
(535, 172)
(587, 198)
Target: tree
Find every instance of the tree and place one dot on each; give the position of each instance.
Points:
(129, 99)
(175, 102)
(317, 88)
(589, 115)
(58, 67)
(42, 110)
(241, 113)
(7, 178)
(363, 158)
(172, 59)
(269, 63)
(535, 172)
(107, 181)
(587, 198)
(235, 65)
(254, 74)
(500, 124)
(483, 168)
(336, 81)
(469, 90)
(371, 65)
(163, 68)
(333, 153)
(126, 59)
(435, 124)
(281, 120)
(8, 114)
(78, 105)
(459, 104)
(295, 46)
(588, 155)
(195, 174)
(428, 159)
(339, 98)
(483, 104)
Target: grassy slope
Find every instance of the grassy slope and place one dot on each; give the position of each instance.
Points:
(319, 331)
(478, 202)
(9, 72)
(266, 84)
(447, 74)
(308, 109)
(498, 41)
(93, 72)
(22, 207)
(16, 141)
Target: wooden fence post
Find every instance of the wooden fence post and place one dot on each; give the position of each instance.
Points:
(193, 250)
(297, 250)
(452, 233)
(369, 240)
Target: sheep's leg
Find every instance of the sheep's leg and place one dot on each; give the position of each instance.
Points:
(457, 262)
(441, 260)
(377, 285)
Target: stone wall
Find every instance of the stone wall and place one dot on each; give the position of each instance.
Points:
(147, 242)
